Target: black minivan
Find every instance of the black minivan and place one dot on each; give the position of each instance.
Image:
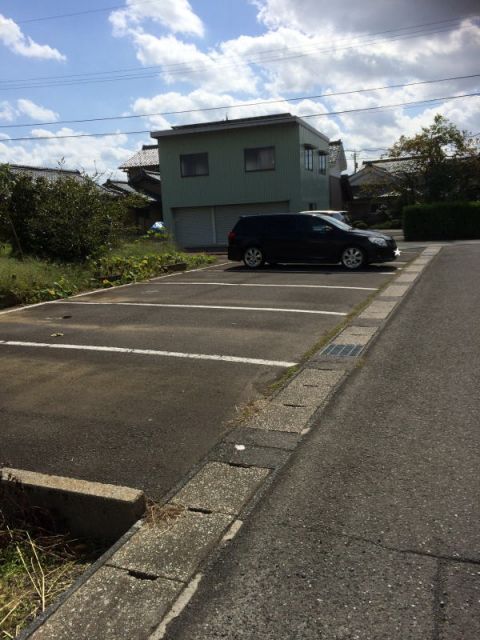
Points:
(306, 238)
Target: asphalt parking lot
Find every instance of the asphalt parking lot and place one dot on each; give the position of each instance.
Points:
(134, 385)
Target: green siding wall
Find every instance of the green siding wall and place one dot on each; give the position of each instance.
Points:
(227, 182)
(314, 187)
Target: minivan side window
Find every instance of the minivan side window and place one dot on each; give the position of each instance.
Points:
(282, 226)
(317, 225)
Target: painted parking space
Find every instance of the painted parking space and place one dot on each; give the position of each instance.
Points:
(133, 385)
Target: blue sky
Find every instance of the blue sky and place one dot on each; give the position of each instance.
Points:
(222, 52)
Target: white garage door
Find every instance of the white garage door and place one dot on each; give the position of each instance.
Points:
(194, 226)
(210, 226)
(227, 216)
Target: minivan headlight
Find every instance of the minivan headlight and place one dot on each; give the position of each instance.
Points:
(379, 241)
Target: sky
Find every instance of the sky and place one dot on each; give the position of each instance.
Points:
(91, 62)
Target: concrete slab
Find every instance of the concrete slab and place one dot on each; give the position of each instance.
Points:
(461, 602)
(259, 438)
(265, 457)
(406, 277)
(355, 335)
(378, 310)
(221, 488)
(394, 291)
(112, 605)
(173, 549)
(277, 417)
(309, 389)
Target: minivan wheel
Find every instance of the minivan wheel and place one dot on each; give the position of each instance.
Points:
(253, 258)
(353, 258)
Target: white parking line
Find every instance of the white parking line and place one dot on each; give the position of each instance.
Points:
(244, 284)
(104, 290)
(149, 352)
(210, 306)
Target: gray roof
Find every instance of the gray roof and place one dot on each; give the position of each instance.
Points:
(120, 185)
(391, 165)
(146, 157)
(45, 172)
(239, 123)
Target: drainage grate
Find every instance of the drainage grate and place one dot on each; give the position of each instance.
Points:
(342, 350)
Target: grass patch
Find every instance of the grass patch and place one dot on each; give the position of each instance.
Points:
(33, 280)
(38, 563)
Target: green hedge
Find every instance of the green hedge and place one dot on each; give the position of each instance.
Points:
(442, 221)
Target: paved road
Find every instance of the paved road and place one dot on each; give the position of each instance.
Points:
(373, 529)
(110, 402)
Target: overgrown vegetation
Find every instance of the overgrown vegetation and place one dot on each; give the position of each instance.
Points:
(442, 221)
(33, 280)
(64, 236)
(65, 219)
(38, 562)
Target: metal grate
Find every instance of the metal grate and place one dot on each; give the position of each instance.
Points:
(342, 350)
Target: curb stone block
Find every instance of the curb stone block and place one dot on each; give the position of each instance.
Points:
(173, 550)
(378, 310)
(221, 488)
(112, 605)
(278, 417)
(309, 389)
(394, 290)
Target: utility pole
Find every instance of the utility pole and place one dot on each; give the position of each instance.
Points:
(355, 163)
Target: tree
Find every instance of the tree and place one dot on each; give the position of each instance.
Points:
(65, 219)
(440, 163)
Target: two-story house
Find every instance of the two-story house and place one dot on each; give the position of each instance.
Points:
(214, 172)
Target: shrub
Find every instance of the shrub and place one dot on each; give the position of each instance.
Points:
(389, 224)
(442, 221)
(359, 224)
(66, 219)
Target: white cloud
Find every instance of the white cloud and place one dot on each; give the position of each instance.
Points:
(13, 38)
(184, 62)
(35, 111)
(175, 15)
(359, 17)
(7, 112)
(93, 155)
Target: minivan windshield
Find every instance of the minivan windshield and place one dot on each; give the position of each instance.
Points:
(335, 222)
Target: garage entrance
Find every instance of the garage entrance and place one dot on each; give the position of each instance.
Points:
(209, 226)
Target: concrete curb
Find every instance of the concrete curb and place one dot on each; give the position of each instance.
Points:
(204, 514)
(87, 509)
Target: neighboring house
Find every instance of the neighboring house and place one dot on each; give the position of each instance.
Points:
(337, 163)
(214, 172)
(374, 187)
(143, 174)
(142, 217)
(43, 172)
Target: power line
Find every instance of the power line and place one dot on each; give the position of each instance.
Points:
(81, 13)
(407, 105)
(238, 105)
(186, 68)
(183, 67)
(266, 51)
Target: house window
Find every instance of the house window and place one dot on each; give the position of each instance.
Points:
(308, 158)
(194, 164)
(322, 162)
(260, 159)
